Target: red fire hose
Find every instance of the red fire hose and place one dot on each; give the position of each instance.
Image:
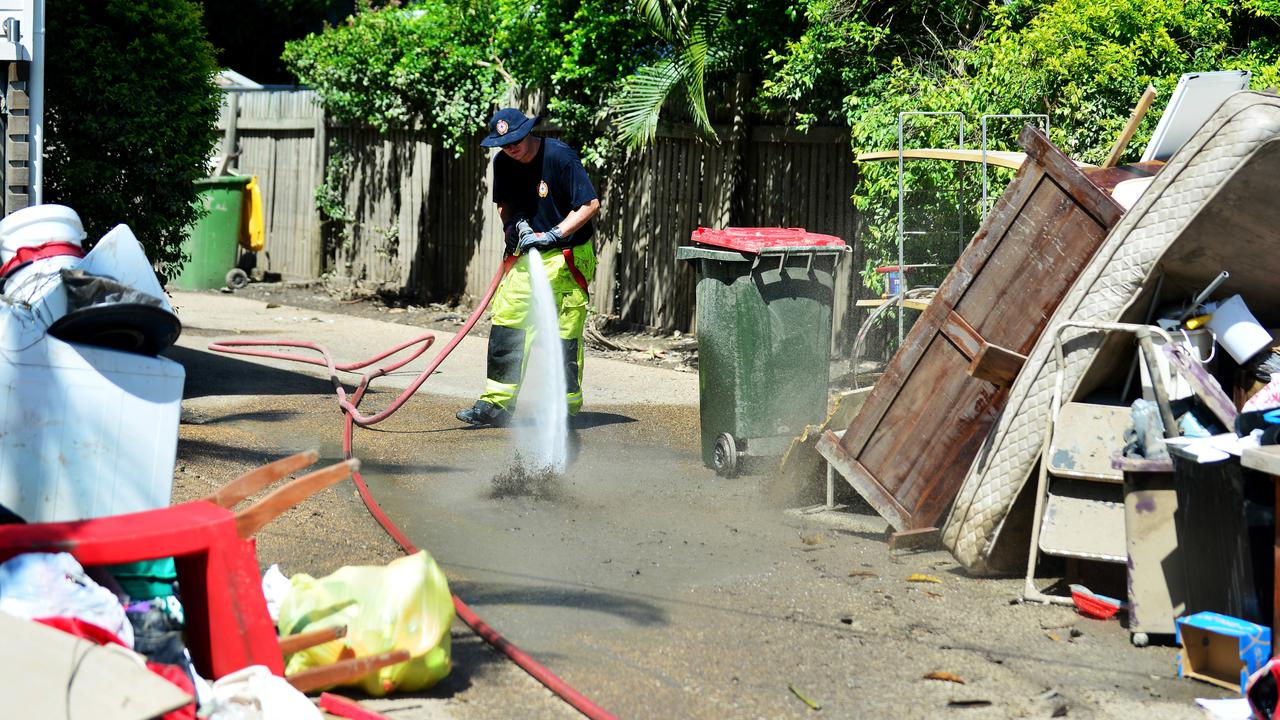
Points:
(353, 417)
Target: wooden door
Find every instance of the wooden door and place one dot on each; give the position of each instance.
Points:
(908, 449)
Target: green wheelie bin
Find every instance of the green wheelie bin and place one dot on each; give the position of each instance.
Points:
(211, 241)
(764, 298)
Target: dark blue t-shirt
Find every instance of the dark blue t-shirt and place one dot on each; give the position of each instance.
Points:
(545, 190)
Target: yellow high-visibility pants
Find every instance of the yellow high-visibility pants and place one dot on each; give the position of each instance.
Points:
(512, 333)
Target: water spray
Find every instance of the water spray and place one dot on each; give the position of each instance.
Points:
(543, 439)
(352, 417)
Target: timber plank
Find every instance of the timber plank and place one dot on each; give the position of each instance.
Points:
(966, 339)
(996, 364)
(998, 158)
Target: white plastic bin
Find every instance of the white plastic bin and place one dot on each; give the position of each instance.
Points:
(84, 431)
(1238, 331)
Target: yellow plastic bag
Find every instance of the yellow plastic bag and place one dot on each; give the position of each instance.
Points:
(404, 605)
(253, 225)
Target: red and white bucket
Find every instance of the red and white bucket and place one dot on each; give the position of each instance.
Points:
(35, 244)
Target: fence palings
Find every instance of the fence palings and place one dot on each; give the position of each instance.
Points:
(423, 223)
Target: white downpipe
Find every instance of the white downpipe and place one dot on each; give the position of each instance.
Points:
(36, 94)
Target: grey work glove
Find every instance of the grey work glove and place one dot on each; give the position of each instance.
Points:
(530, 239)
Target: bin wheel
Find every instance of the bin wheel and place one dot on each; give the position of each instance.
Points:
(725, 457)
(237, 278)
(1139, 639)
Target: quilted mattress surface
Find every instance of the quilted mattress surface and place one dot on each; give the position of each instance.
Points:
(1109, 284)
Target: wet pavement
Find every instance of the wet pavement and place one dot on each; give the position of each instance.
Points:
(651, 585)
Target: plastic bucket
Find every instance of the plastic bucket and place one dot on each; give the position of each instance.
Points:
(38, 225)
(893, 282)
(33, 227)
(37, 279)
(1238, 331)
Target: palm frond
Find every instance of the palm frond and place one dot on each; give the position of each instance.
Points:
(719, 60)
(690, 29)
(639, 104)
(697, 52)
(663, 18)
(707, 18)
(693, 64)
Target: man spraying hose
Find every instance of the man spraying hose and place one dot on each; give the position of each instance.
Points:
(546, 201)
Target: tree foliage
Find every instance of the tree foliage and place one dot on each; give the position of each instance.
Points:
(689, 32)
(1084, 63)
(577, 54)
(433, 63)
(604, 65)
(130, 115)
(590, 60)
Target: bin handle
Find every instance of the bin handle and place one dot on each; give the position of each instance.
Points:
(784, 254)
(782, 260)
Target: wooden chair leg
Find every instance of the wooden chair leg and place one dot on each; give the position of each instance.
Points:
(290, 644)
(344, 670)
(253, 518)
(229, 495)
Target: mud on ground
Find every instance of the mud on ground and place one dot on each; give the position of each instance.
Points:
(655, 587)
(332, 529)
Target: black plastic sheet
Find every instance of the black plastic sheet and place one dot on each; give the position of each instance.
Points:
(107, 313)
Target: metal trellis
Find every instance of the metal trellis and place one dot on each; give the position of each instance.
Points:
(902, 231)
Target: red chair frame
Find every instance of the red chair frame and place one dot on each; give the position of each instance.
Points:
(227, 624)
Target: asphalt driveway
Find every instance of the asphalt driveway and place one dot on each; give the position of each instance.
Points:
(646, 582)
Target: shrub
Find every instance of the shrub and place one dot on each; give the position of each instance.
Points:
(130, 117)
(390, 68)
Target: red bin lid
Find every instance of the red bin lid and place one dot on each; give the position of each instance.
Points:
(757, 240)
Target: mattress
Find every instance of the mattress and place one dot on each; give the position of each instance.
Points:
(1216, 186)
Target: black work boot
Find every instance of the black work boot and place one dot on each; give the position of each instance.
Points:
(485, 413)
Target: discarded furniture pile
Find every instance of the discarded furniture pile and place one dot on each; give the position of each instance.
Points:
(114, 601)
(1098, 379)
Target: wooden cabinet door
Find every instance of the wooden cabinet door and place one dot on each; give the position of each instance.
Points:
(908, 449)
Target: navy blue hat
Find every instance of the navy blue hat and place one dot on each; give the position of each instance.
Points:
(508, 126)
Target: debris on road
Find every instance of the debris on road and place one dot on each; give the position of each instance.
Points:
(794, 691)
(923, 578)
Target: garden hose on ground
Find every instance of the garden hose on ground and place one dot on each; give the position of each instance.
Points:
(352, 417)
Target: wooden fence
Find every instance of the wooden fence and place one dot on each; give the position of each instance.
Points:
(421, 223)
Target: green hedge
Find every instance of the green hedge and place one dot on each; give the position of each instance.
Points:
(130, 117)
